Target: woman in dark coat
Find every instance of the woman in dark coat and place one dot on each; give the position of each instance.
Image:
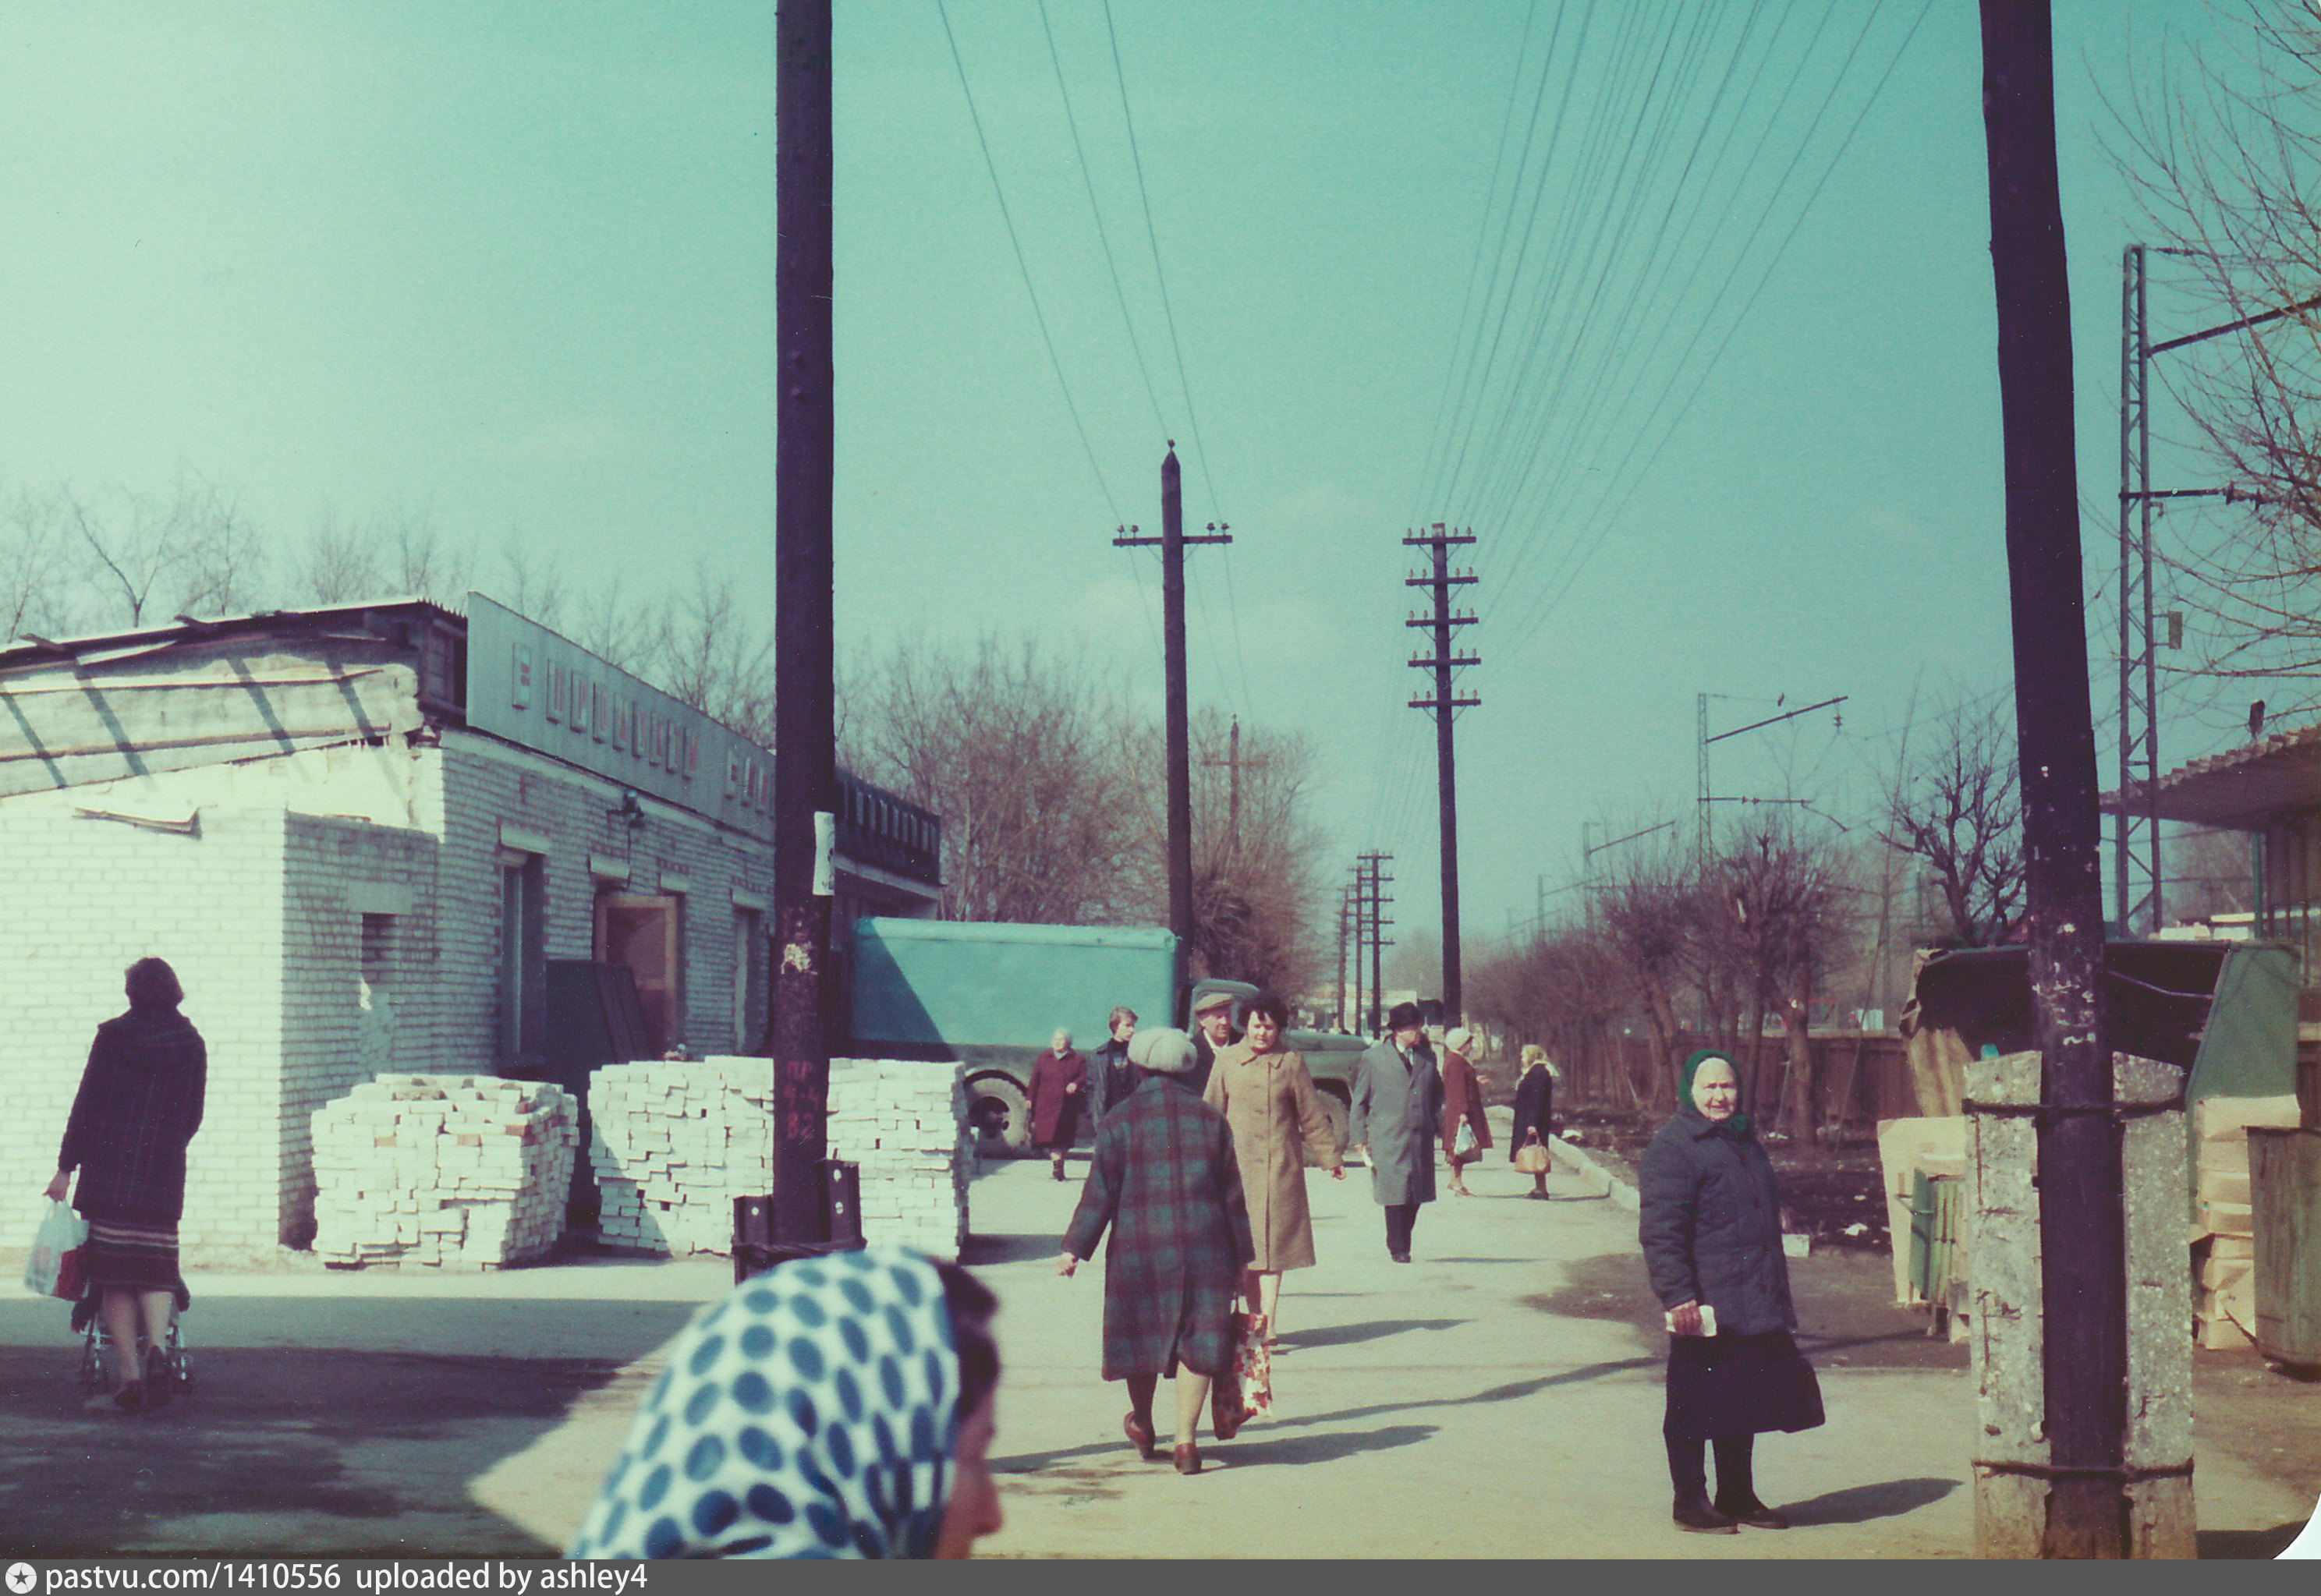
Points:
(1165, 1179)
(1462, 1104)
(1710, 1221)
(139, 1103)
(1059, 1084)
(1534, 1109)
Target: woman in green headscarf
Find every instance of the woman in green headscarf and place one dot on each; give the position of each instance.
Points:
(1710, 1221)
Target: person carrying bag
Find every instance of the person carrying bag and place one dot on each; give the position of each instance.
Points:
(58, 1265)
(1535, 1119)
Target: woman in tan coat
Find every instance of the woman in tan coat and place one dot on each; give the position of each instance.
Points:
(1269, 1099)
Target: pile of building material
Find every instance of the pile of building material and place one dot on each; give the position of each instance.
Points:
(676, 1142)
(456, 1172)
(905, 1125)
(2224, 1244)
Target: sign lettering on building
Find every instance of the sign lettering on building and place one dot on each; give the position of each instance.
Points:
(587, 713)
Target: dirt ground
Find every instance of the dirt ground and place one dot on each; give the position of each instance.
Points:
(1835, 1195)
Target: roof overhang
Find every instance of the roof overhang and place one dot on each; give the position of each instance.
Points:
(2244, 789)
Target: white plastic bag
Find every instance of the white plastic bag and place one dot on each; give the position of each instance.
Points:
(57, 1249)
(1463, 1146)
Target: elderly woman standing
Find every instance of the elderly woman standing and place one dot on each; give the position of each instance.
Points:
(1534, 1109)
(1710, 1221)
(1278, 1123)
(1462, 1104)
(1165, 1180)
(1058, 1084)
(139, 1103)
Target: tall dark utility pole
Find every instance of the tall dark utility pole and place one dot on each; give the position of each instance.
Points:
(1171, 542)
(1338, 1004)
(1446, 705)
(2082, 1219)
(1373, 886)
(805, 766)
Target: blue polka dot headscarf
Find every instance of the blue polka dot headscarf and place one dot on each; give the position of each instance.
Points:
(812, 1413)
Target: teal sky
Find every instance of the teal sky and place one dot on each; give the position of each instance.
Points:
(516, 261)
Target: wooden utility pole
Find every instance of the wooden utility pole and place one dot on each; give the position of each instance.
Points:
(1372, 885)
(1446, 706)
(1338, 1002)
(2082, 1221)
(1171, 543)
(1232, 763)
(805, 764)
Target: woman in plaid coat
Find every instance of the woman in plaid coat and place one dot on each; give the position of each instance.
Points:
(1165, 1180)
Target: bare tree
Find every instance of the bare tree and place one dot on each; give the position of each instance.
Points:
(706, 651)
(37, 565)
(340, 563)
(1954, 802)
(2226, 151)
(1031, 765)
(223, 570)
(1258, 863)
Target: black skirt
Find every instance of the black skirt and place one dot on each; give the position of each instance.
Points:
(1739, 1385)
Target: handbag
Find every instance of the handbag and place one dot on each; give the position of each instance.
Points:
(1532, 1157)
(1463, 1146)
(58, 1265)
(1244, 1391)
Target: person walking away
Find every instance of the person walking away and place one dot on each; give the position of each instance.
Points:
(1165, 1181)
(1534, 1112)
(836, 1406)
(1710, 1222)
(139, 1103)
(1058, 1078)
(1213, 1032)
(1111, 1077)
(1398, 1102)
(1267, 1100)
(1462, 1109)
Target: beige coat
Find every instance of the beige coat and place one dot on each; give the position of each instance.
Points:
(1268, 1100)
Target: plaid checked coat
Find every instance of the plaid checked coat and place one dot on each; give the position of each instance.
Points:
(1165, 1179)
(139, 1103)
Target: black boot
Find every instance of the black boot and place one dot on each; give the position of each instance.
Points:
(131, 1397)
(156, 1378)
(1693, 1513)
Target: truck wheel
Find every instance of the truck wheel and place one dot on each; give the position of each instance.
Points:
(1001, 1117)
(1340, 1115)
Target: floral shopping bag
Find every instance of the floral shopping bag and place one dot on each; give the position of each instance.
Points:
(1246, 1389)
(56, 1265)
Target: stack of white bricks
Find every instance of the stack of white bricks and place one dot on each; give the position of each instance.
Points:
(463, 1171)
(675, 1143)
(2224, 1244)
(905, 1125)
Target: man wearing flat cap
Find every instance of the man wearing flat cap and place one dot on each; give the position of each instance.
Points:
(1212, 1021)
(1397, 1110)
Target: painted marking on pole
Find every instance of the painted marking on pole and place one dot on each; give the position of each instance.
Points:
(825, 847)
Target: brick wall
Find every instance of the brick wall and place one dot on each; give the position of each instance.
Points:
(82, 899)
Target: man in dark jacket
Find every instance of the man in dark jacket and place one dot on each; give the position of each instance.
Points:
(1111, 1077)
(1397, 1104)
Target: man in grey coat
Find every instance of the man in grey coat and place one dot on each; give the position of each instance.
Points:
(1397, 1113)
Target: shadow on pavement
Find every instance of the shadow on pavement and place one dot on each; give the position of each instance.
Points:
(1246, 1453)
(1377, 1329)
(1859, 1504)
(2247, 1543)
(982, 1251)
(271, 1437)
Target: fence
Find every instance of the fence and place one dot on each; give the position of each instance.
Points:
(1860, 1077)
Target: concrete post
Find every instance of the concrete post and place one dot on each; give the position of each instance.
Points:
(2011, 1487)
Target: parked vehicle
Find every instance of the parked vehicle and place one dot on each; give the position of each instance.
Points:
(988, 995)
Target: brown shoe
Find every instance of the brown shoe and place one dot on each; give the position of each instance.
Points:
(1140, 1436)
(1188, 1458)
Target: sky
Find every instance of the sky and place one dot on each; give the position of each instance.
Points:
(515, 262)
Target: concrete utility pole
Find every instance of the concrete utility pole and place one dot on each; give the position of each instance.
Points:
(1446, 706)
(805, 763)
(2082, 1218)
(1171, 543)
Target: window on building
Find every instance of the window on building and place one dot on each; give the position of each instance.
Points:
(524, 962)
(747, 963)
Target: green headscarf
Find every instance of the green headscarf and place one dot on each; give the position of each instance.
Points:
(1737, 1127)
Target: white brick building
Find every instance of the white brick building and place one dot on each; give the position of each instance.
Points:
(363, 835)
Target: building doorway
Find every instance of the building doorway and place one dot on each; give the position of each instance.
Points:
(646, 932)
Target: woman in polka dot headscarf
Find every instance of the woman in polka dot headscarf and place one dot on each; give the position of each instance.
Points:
(833, 1407)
